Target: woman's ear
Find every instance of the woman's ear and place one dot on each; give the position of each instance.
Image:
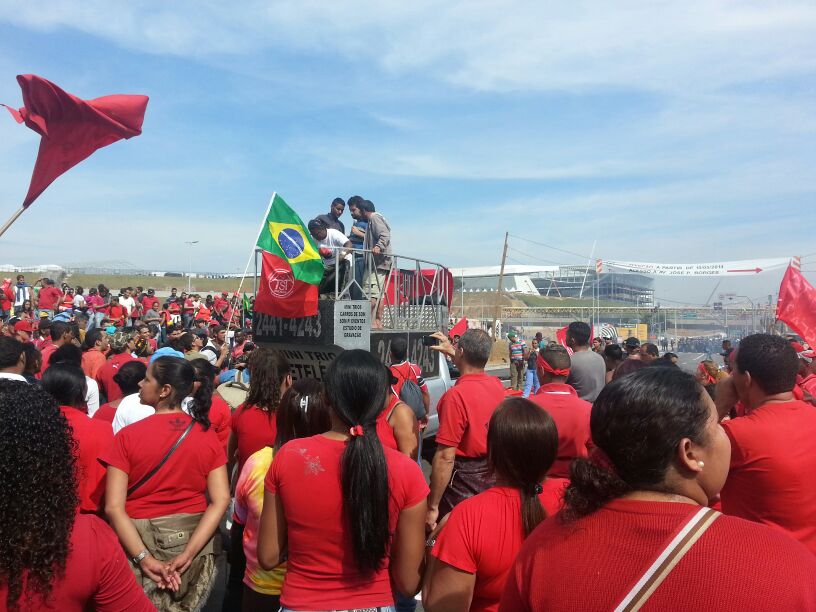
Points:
(689, 456)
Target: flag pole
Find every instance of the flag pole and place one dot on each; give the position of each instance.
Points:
(231, 311)
(13, 218)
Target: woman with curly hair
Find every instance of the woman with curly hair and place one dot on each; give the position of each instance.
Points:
(253, 423)
(51, 556)
(636, 531)
(161, 472)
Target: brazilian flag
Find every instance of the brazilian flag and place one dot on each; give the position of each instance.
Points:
(292, 268)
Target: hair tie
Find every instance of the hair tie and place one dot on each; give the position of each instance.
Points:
(538, 489)
(304, 403)
(601, 459)
(356, 430)
(542, 363)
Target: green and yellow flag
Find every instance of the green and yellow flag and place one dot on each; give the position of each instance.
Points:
(291, 268)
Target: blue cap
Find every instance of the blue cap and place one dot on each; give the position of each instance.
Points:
(166, 351)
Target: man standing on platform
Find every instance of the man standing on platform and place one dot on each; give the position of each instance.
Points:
(332, 219)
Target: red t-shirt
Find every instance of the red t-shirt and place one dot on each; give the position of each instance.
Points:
(92, 360)
(49, 298)
(179, 486)
(384, 430)
(97, 575)
(93, 439)
(773, 463)
(571, 416)
(106, 412)
(106, 372)
(45, 353)
(407, 371)
(593, 563)
(254, 428)
(321, 573)
(808, 386)
(116, 312)
(483, 536)
(149, 302)
(465, 411)
(220, 418)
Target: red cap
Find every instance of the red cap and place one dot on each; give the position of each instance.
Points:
(24, 326)
(797, 347)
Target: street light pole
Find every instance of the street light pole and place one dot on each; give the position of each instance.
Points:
(190, 244)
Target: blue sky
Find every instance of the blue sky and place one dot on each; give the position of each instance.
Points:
(665, 131)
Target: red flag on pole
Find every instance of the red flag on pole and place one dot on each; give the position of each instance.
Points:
(460, 328)
(280, 294)
(797, 305)
(72, 128)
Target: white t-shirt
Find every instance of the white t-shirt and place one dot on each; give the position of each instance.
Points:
(92, 395)
(79, 301)
(131, 410)
(128, 303)
(334, 238)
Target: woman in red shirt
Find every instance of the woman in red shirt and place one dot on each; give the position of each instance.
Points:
(253, 422)
(661, 457)
(152, 491)
(128, 377)
(478, 541)
(349, 512)
(397, 425)
(219, 411)
(66, 383)
(56, 558)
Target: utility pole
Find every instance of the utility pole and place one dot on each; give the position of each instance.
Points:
(500, 289)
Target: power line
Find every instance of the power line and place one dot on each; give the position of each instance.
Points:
(534, 257)
(549, 246)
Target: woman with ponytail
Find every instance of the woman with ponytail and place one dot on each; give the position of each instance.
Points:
(636, 530)
(346, 513)
(205, 395)
(478, 541)
(161, 472)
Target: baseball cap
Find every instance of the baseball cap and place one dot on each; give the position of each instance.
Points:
(632, 342)
(166, 351)
(24, 326)
(120, 340)
(511, 335)
(316, 224)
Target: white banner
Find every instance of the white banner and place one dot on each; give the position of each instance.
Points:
(721, 268)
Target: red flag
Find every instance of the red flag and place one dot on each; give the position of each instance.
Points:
(459, 329)
(72, 128)
(280, 294)
(797, 305)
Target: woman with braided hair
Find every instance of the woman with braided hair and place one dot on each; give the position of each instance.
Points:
(473, 548)
(51, 556)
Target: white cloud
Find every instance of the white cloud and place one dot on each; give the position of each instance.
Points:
(700, 45)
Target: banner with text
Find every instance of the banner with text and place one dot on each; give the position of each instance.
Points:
(720, 268)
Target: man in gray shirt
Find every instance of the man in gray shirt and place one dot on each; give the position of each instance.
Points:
(588, 371)
(378, 241)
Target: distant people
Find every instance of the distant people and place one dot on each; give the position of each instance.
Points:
(587, 369)
(633, 361)
(661, 459)
(332, 245)
(303, 412)
(66, 383)
(22, 294)
(773, 450)
(517, 354)
(531, 382)
(48, 298)
(561, 401)
(332, 219)
(475, 549)
(187, 496)
(598, 345)
(58, 558)
(345, 512)
(613, 356)
(378, 241)
(727, 349)
(649, 352)
(460, 467)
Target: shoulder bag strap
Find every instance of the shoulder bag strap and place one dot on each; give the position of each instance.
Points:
(172, 450)
(667, 560)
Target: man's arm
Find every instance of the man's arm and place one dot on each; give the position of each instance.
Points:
(441, 471)
(383, 233)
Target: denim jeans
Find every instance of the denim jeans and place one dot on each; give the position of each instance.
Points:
(531, 383)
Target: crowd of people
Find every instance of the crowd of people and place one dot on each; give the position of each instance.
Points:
(127, 468)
